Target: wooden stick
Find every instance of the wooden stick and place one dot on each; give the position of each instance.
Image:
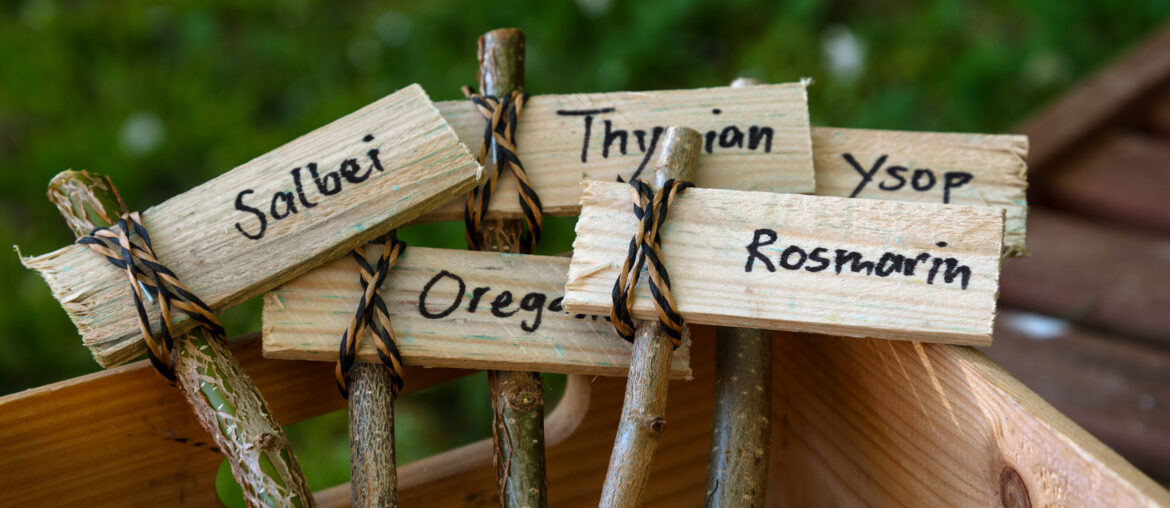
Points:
(517, 397)
(373, 474)
(737, 471)
(222, 396)
(644, 409)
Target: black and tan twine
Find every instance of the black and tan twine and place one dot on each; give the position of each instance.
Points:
(500, 126)
(372, 313)
(651, 209)
(126, 245)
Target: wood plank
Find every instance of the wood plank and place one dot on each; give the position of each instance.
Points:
(1111, 94)
(560, 145)
(1115, 388)
(1124, 177)
(858, 422)
(962, 169)
(1157, 116)
(121, 437)
(858, 416)
(710, 233)
(883, 423)
(226, 255)
(453, 308)
(1093, 274)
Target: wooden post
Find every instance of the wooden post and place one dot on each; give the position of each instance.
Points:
(643, 417)
(222, 396)
(373, 474)
(517, 397)
(737, 471)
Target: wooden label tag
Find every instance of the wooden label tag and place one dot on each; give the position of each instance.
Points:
(453, 308)
(275, 216)
(928, 167)
(755, 138)
(838, 266)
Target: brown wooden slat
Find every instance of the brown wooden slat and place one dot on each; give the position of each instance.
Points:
(1124, 177)
(1117, 389)
(123, 437)
(857, 422)
(1109, 95)
(1093, 274)
(1157, 116)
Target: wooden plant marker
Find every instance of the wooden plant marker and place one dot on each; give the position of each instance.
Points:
(214, 239)
(755, 138)
(928, 167)
(853, 267)
(453, 308)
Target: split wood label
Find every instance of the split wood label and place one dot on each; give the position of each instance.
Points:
(755, 138)
(274, 217)
(837, 266)
(454, 308)
(928, 167)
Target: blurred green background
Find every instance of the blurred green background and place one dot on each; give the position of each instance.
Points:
(165, 97)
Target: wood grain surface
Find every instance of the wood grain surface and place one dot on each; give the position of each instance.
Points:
(706, 247)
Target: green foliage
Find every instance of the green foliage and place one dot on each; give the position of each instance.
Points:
(163, 97)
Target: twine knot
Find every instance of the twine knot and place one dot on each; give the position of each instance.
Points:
(500, 127)
(651, 210)
(126, 245)
(372, 313)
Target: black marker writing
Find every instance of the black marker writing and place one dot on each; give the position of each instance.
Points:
(847, 261)
(623, 141)
(897, 177)
(443, 295)
(283, 204)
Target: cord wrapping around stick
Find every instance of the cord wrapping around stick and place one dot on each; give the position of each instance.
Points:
(651, 210)
(151, 278)
(372, 313)
(501, 118)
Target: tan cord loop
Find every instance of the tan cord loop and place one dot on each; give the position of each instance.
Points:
(500, 127)
(651, 210)
(372, 312)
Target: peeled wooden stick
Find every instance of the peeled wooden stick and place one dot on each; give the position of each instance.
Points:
(517, 397)
(223, 397)
(737, 471)
(644, 410)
